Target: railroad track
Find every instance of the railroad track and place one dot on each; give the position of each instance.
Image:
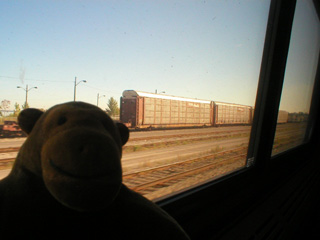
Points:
(162, 181)
(284, 143)
(6, 161)
(10, 149)
(153, 179)
(191, 134)
(160, 178)
(150, 143)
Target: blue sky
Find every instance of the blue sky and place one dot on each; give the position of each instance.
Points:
(199, 49)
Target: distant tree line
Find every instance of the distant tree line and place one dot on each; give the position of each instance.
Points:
(5, 105)
(112, 107)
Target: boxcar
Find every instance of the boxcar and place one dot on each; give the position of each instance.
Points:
(10, 129)
(298, 117)
(282, 116)
(142, 110)
(231, 114)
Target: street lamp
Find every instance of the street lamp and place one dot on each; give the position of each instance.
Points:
(98, 98)
(156, 91)
(75, 87)
(27, 90)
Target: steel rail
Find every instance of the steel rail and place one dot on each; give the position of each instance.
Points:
(180, 176)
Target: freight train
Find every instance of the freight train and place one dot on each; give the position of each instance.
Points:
(10, 128)
(150, 110)
(140, 110)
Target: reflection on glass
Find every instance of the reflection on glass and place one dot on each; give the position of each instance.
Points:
(187, 64)
(299, 78)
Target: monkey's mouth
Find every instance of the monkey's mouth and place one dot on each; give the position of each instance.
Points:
(72, 175)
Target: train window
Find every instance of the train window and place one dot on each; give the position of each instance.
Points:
(299, 78)
(182, 75)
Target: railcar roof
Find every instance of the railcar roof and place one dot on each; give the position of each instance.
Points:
(133, 93)
(232, 104)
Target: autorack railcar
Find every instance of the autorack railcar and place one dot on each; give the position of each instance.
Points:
(142, 110)
(298, 117)
(282, 116)
(231, 114)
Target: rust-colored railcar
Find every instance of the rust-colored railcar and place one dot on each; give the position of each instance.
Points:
(282, 116)
(10, 129)
(232, 114)
(143, 110)
(298, 117)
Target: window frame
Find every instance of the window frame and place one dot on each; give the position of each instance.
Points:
(210, 208)
(271, 81)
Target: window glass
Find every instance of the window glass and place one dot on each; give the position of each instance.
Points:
(299, 78)
(182, 75)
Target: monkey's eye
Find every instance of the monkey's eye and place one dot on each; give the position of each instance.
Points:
(62, 120)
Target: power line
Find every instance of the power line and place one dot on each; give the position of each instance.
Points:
(42, 80)
(32, 79)
(99, 89)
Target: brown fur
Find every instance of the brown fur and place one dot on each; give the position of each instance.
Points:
(67, 177)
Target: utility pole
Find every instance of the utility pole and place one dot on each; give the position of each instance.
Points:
(98, 98)
(75, 87)
(27, 90)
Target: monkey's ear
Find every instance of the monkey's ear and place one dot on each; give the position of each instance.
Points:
(28, 118)
(124, 133)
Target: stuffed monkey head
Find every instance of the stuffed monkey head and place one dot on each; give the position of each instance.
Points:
(76, 149)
